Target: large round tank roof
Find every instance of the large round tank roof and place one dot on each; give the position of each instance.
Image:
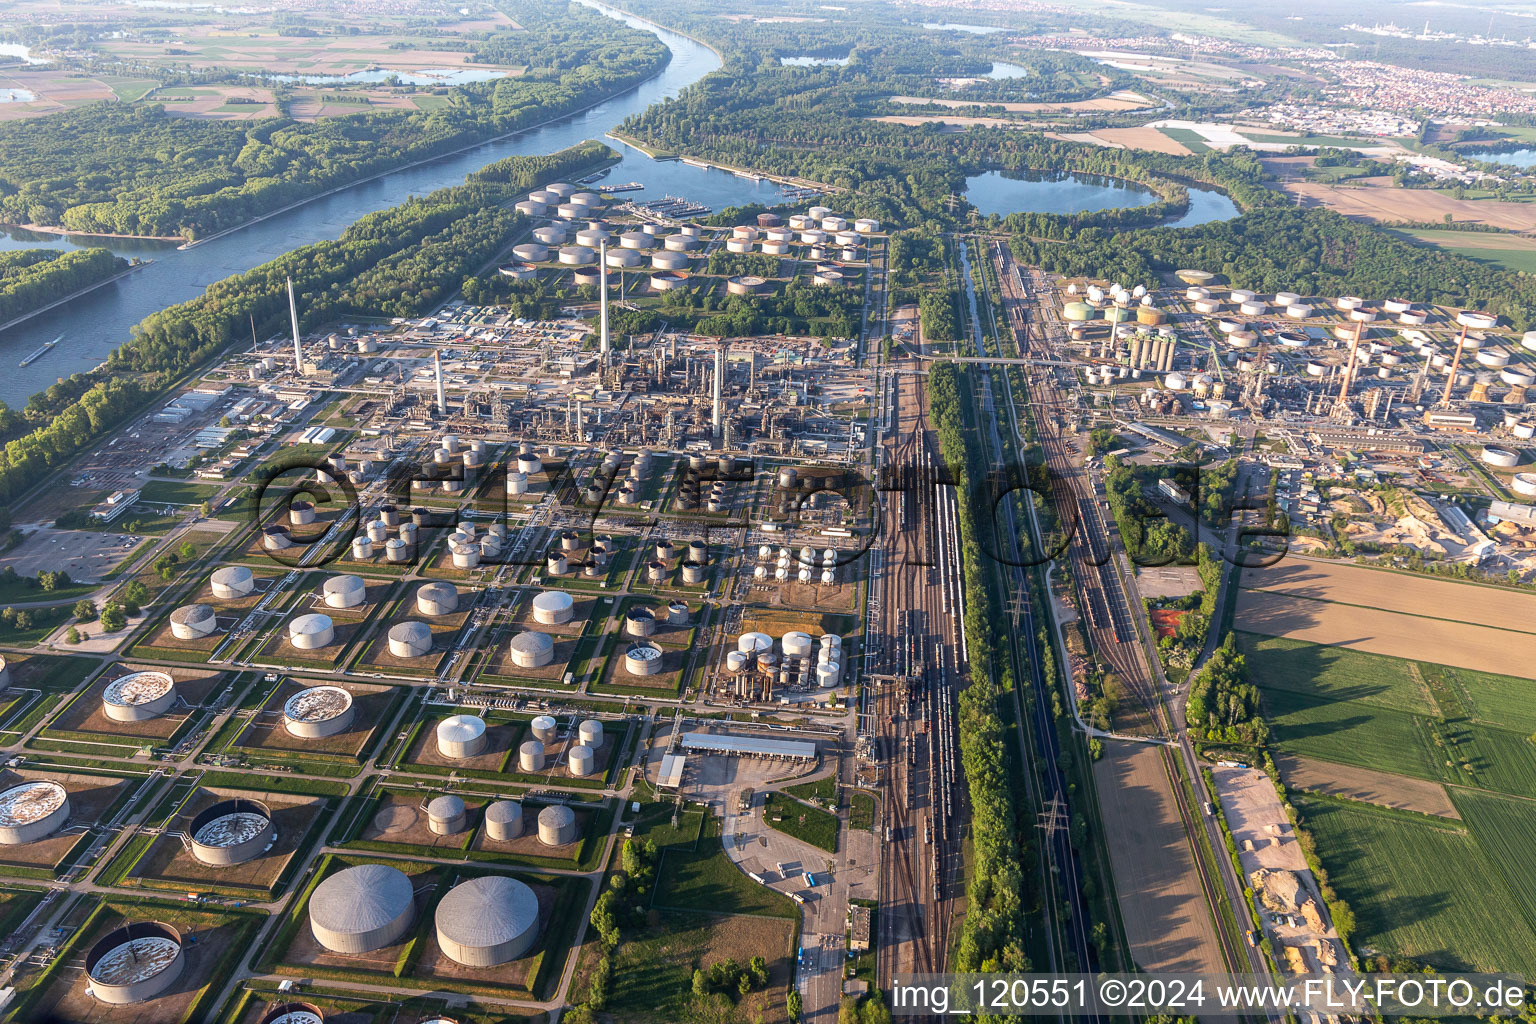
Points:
(231, 576)
(310, 624)
(446, 807)
(233, 828)
(531, 642)
(504, 811)
(411, 632)
(137, 688)
(487, 911)
(552, 601)
(346, 584)
(133, 954)
(193, 614)
(317, 704)
(556, 816)
(438, 589)
(459, 729)
(361, 899)
(29, 802)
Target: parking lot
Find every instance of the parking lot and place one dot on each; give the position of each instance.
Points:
(86, 555)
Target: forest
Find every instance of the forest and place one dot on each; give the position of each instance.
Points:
(402, 260)
(31, 278)
(136, 169)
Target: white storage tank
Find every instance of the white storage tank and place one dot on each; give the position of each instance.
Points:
(445, 815)
(410, 639)
(530, 756)
(318, 711)
(437, 598)
(461, 736)
(544, 729)
(797, 644)
(753, 643)
(590, 732)
(487, 921)
(504, 820)
(32, 810)
(557, 825)
(232, 582)
(642, 659)
(343, 591)
(139, 696)
(362, 548)
(134, 963)
(311, 632)
(231, 831)
(580, 761)
(553, 608)
(362, 908)
(193, 621)
(531, 649)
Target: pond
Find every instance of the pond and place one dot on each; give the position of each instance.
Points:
(815, 62)
(1063, 192)
(16, 96)
(1515, 157)
(952, 26)
(1002, 69)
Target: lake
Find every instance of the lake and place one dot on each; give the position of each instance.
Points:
(950, 26)
(1066, 193)
(1002, 69)
(96, 323)
(1515, 157)
(814, 62)
(423, 76)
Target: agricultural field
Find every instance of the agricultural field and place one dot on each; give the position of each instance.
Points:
(1370, 199)
(1421, 887)
(1511, 252)
(1336, 673)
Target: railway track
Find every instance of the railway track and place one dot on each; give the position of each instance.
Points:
(1097, 573)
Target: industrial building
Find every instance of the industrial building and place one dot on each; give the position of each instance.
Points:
(748, 746)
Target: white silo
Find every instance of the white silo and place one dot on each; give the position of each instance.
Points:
(544, 729)
(437, 598)
(311, 632)
(590, 733)
(530, 756)
(504, 820)
(193, 621)
(343, 591)
(362, 549)
(232, 582)
(557, 825)
(581, 761)
(531, 649)
(446, 815)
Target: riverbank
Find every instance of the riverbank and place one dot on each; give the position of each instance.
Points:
(446, 154)
(740, 172)
(15, 320)
(62, 232)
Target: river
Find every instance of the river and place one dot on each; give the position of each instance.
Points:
(100, 321)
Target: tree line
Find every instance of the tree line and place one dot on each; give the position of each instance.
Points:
(30, 278)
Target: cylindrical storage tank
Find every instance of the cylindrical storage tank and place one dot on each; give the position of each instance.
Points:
(801, 221)
(1207, 306)
(504, 820)
(461, 736)
(556, 564)
(834, 223)
(679, 243)
(747, 284)
(1195, 293)
(678, 614)
(694, 572)
(587, 199)
(576, 255)
(487, 921)
(531, 649)
(445, 815)
(396, 550)
(531, 252)
(752, 643)
(561, 189)
(193, 621)
(1286, 298)
(1298, 311)
(797, 644)
(301, 513)
(698, 551)
(410, 639)
(827, 674)
(590, 732)
(1362, 316)
(529, 208)
(311, 632)
(293, 1013)
(827, 277)
(528, 464)
(464, 554)
(1524, 484)
(134, 963)
(139, 696)
(437, 598)
(626, 258)
(1240, 295)
(1252, 307)
(551, 234)
(343, 591)
(363, 908)
(642, 659)
(544, 729)
(318, 711)
(656, 572)
(1477, 321)
(275, 538)
(557, 825)
(1349, 303)
(580, 761)
(31, 811)
(232, 832)
(663, 260)
(1493, 358)
(530, 756)
(735, 661)
(744, 231)
(553, 608)
(232, 582)
(640, 622)
(1503, 458)
(517, 483)
(1516, 377)
(866, 225)
(636, 240)
(738, 245)
(1176, 381)
(571, 211)
(378, 532)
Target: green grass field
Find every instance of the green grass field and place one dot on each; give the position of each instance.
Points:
(1483, 246)
(1505, 828)
(1335, 141)
(1421, 889)
(1348, 732)
(802, 821)
(1188, 138)
(704, 878)
(176, 492)
(1501, 701)
(1334, 673)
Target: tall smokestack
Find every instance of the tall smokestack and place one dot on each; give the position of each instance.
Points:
(293, 313)
(602, 299)
(1450, 378)
(719, 386)
(1341, 403)
(437, 367)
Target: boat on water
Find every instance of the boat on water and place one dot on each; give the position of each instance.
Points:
(41, 351)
